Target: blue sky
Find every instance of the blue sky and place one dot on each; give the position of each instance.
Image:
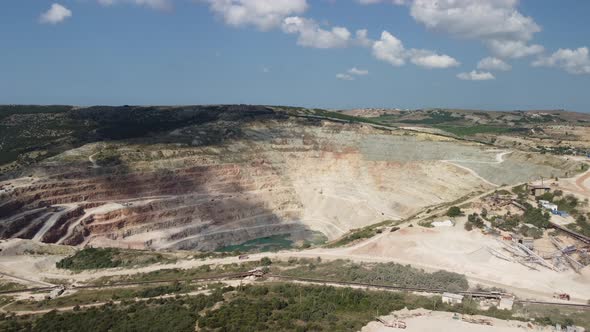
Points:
(315, 53)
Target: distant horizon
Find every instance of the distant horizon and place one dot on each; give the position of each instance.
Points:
(310, 107)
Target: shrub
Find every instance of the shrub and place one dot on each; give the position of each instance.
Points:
(454, 211)
(90, 258)
(475, 220)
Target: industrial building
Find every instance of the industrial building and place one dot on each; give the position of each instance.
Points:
(452, 298)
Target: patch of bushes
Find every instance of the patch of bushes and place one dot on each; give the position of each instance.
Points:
(269, 307)
(475, 221)
(533, 232)
(90, 258)
(379, 273)
(519, 190)
(153, 315)
(103, 258)
(88, 296)
(582, 225)
(454, 211)
(203, 271)
(363, 233)
(532, 215)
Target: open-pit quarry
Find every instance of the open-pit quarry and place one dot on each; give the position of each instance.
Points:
(222, 183)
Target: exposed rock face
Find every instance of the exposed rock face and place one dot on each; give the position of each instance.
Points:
(230, 180)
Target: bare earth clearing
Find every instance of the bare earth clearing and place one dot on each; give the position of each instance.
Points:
(421, 320)
(445, 248)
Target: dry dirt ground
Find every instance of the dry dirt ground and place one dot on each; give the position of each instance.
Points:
(435, 321)
(446, 248)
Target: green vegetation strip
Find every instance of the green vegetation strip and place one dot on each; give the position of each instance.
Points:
(363, 233)
(101, 258)
(269, 307)
(10, 286)
(205, 271)
(475, 129)
(344, 117)
(376, 273)
(89, 296)
(171, 314)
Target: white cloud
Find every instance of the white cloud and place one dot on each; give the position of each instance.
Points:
(513, 49)
(476, 76)
(391, 50)
(312, 35)
(267, 14)
(486, 19)
(497, 23)
(357, 71)
(573, 61)
(429, 59)
(351, 73)
(362, 38)
(263, 14)
(56, 14)
(154, 4)
(344, 77)
(491, 63)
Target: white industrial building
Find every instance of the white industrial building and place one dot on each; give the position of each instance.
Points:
(452, 298)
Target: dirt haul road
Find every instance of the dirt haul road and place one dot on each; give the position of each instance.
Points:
(583, 182)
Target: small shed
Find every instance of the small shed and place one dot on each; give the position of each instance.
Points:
(548, 205)
(538, 190)
(452, 298)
